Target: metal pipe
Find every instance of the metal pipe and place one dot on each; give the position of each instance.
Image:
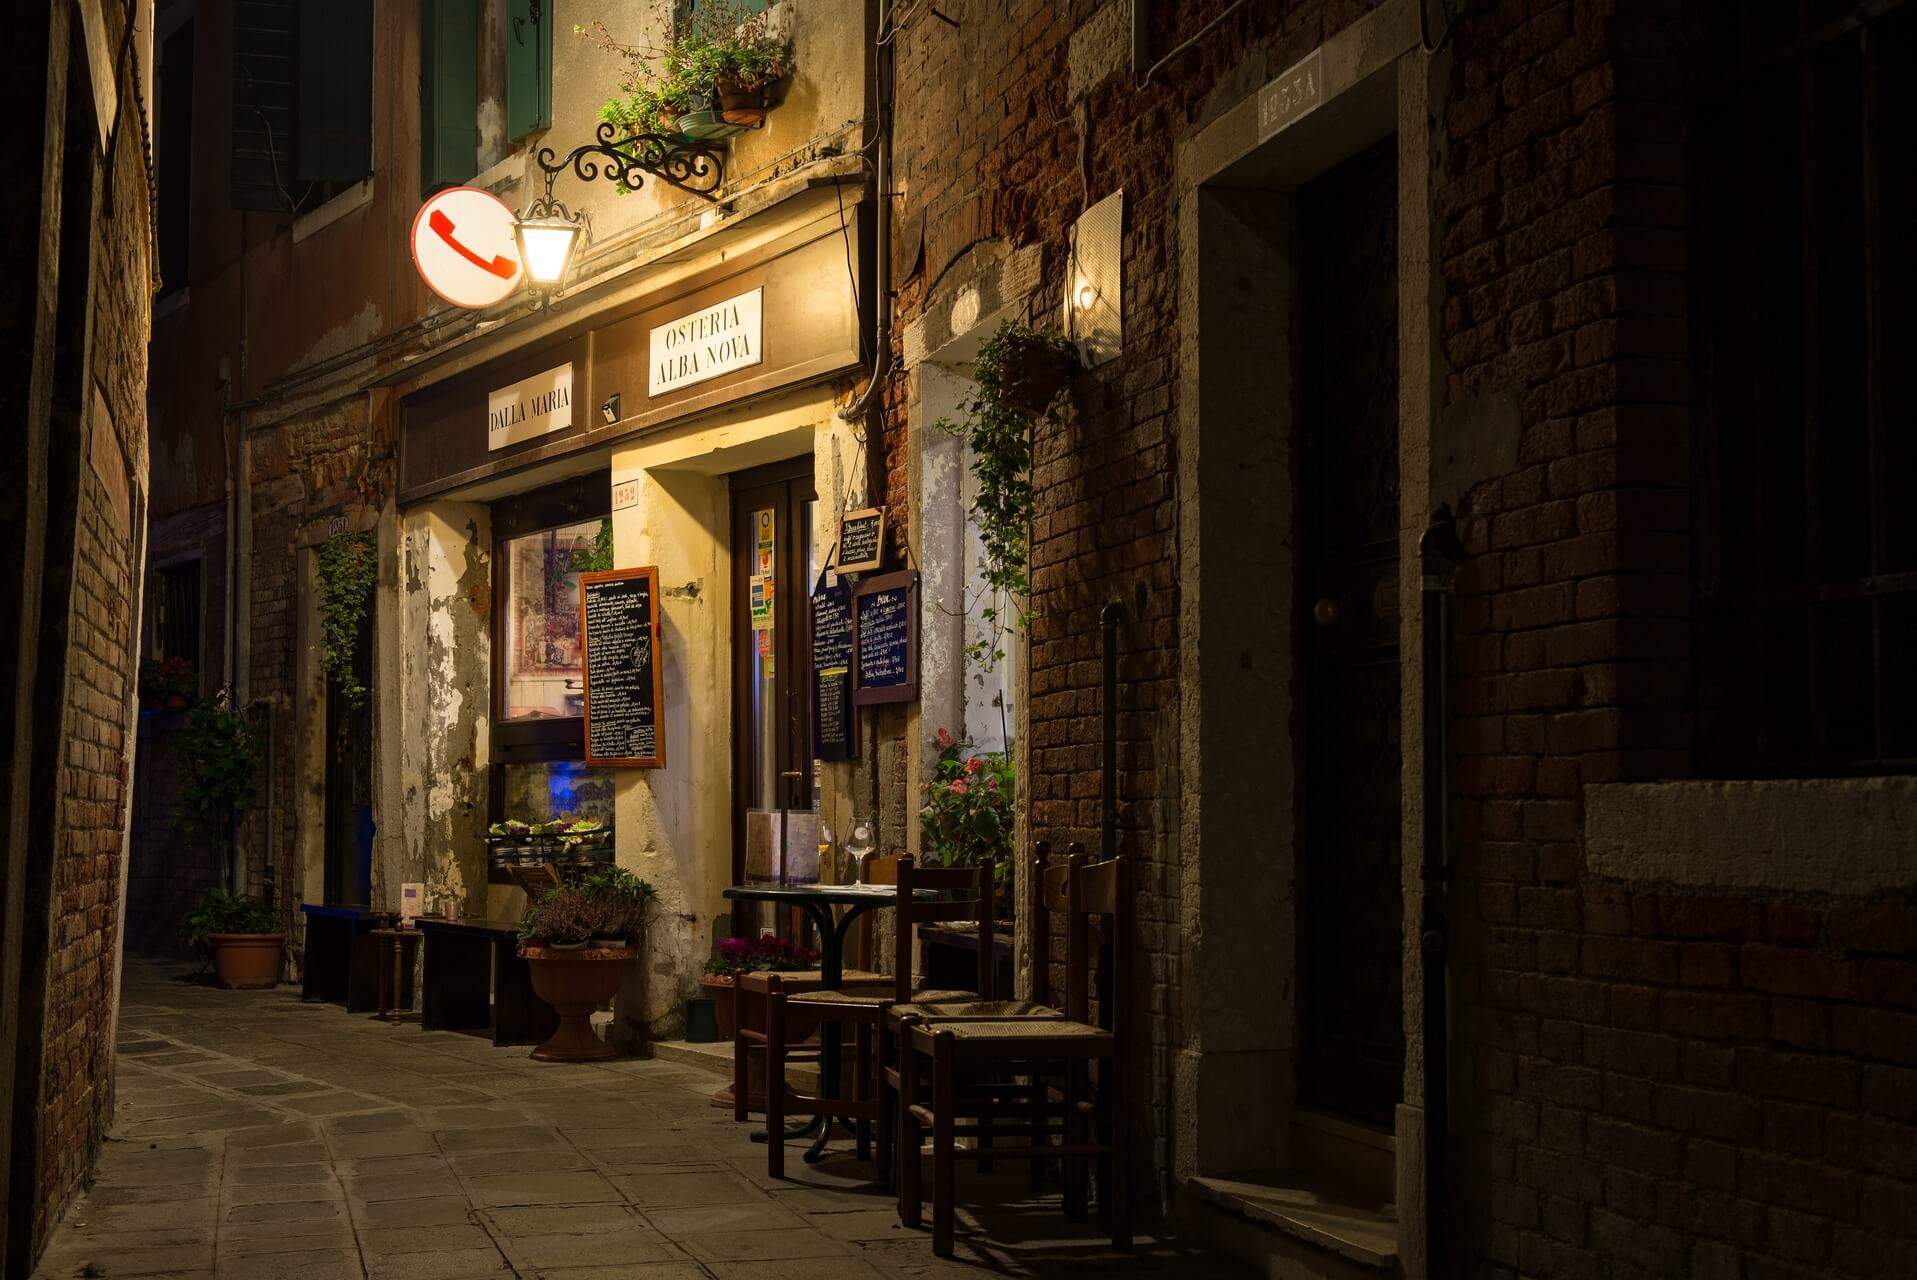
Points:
(1440, 553)
(1108, 711)
(868, 406)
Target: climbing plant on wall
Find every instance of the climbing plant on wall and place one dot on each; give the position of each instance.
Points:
(1019, 371)
(348, 568)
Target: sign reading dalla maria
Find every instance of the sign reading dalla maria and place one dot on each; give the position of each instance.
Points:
(530, 407)
(713, 340)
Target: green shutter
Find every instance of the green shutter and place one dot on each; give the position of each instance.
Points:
(263, 102)
(335, 91)
(449, 92)
(529, 27)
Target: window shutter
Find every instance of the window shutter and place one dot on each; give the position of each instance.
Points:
(449, 92)
(263, 53)
(335, 91)
(528, 66)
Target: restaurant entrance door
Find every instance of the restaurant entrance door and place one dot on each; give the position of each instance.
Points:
(774, 564)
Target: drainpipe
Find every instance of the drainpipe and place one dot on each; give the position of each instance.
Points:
(870, 403)
(1108, 709)
(1440, 553)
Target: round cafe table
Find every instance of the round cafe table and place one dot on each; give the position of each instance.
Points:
(818, 902)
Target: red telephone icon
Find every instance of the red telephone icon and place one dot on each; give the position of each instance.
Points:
(504, 268)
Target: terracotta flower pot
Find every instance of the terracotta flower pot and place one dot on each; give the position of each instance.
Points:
(575, 983)
(175, 702)
(246, 961)
(740, 104)
(725, 1007)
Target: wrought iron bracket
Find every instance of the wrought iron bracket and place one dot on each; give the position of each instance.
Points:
(624, 159)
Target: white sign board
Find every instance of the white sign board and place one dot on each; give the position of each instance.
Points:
(534, 406)
(711, 341)
(464, 248)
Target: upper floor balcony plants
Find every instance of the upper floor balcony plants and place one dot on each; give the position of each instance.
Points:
(714, 74)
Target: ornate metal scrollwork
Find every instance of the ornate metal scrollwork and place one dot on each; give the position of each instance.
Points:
(624, 159)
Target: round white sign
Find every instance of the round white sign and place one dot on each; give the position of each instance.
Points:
(464, 248)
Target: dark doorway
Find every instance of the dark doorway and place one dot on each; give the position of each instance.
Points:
(349, 779)
(772, 553)
(1350, 903)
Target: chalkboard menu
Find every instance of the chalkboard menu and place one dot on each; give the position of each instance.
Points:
(885, 634)
(861, 541)
(835, 722)
(619, 612)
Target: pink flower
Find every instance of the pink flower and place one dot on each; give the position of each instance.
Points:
(991, 784)
(959, 788)
(925, 786)
(944, 737)
(972, 765)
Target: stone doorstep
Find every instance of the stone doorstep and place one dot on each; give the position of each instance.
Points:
(1307, 1209)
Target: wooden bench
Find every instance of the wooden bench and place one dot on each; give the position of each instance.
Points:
(474, 977)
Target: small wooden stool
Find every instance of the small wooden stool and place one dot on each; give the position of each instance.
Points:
(394, 964)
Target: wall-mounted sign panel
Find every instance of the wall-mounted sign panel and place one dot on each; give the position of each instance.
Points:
(619, 619)
(861, 541)
(535, 406)
(835, 722)
(727, 335)
(464, 247)
(885, 639)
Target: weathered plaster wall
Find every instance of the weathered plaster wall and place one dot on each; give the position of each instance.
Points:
(443, 700)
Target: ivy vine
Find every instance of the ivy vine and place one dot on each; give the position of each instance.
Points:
(348, 569)
(1019, 372)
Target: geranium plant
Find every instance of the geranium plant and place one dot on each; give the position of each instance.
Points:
(969, 809)
(757, 955)
(163, 678)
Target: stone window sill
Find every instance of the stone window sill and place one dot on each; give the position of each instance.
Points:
(1310, 1209)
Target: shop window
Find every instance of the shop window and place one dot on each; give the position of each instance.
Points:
(302, 101)
(543, 663)
(174, 126)
(1806, 276)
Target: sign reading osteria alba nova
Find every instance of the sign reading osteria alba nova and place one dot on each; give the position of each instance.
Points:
(713, 340)
(534, 406)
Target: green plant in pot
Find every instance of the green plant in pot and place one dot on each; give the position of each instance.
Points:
(575, 939)
(1020, 371)
(244, 938)
(713, 76)
(748, 955)
(170, 682)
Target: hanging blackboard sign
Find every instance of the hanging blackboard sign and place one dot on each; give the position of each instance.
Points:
(619, 621)
(835, 721)
(885, 635)
(861, 541)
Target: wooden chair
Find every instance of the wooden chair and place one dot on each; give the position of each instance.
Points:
(969, 891)
(1089, 1123)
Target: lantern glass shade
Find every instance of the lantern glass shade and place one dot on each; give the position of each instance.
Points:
(545, 247)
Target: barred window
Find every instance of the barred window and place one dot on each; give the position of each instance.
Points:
(1806, 307)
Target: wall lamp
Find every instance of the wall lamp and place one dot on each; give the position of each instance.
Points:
(548, 232)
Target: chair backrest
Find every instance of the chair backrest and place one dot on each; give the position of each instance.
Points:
(877, 871)
(968, 893)
(1077, 890)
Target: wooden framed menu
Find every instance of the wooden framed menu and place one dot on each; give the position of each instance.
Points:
(861, 541)
(835, 721)
(885, 639)
(619, 625)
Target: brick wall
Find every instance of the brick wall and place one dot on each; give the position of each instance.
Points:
(1651, 1083)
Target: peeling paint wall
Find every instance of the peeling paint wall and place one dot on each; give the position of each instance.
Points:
(443, 702)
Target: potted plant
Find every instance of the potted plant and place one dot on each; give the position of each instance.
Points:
(576, 939)
(170, 682)
(713, 78)
(968, 811)
(241, 936)
(1019, 371)
(222, 760)
(749, 955)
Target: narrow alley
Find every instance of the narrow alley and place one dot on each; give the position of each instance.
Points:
(261, 1138)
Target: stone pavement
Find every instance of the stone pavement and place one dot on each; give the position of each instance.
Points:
(259, 1138)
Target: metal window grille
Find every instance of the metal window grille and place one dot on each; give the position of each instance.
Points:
(1806, 306)
(176, 621)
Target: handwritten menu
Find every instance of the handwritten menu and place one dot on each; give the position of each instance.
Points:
(861, 541)
(835, 724)
(621, 623)
(885, 619)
